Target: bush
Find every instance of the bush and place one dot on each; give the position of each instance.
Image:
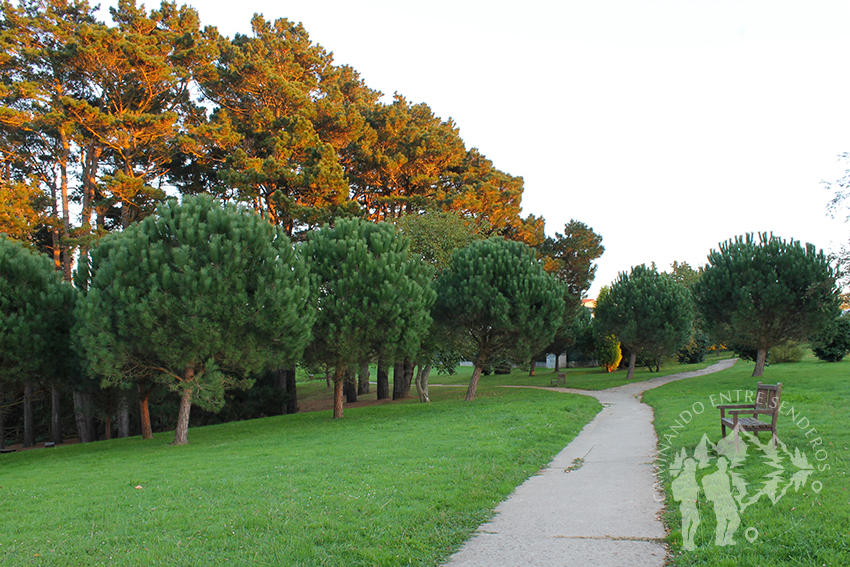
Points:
(695, 350)
(833, 344)
(608, 353)
(788, 351)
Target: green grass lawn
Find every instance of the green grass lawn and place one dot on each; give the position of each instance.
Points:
(808, 526)
(397, 484)
(580, 378)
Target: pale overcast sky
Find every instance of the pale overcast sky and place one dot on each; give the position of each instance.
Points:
(667, 126)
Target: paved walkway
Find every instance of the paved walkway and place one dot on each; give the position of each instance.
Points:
(595, 504)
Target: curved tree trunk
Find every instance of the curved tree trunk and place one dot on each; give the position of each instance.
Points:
(473, 383)
(632, 362)
(383, 380)
(181, 434)
(761, 359)
(422, 383)
(144, 413)
(55, 416)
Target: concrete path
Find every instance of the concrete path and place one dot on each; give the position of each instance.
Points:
(595, 504)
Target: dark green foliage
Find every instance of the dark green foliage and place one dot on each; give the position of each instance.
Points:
(36, 315)
(649, 312)
(833, 344)
(199, 286)
(435, 235)
(569, 257)
(500, 301)
(695, 349)
(758, 294)
(745, 352)
(374, 300)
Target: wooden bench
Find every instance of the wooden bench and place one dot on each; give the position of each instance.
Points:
(767, 401)
(561, 378)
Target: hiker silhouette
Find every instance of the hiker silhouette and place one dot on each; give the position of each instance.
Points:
(718, 490)
(685, 490)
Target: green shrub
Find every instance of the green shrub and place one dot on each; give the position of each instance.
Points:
(695, 350)
(788, 351)
(608, 353)
(833, 344)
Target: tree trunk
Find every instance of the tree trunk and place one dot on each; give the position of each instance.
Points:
(632, 362)
(55, 416)
(473, 383)
(531, 368)
(402, 379)
(181, 434)
(83, 416)
(144, 414)
(350, 387)
(66, 222)
(383, 380)
(282, 385)
(557, 360)
(339, 378)
(291, 391)
(398, 379)
(761, 359)
(29, 422)
(422, 383)
(123, 416)
(363, 379)
(409, 367)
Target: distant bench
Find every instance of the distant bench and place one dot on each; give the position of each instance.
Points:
(560, 379)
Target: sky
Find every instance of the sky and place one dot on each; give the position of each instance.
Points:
(666, 126)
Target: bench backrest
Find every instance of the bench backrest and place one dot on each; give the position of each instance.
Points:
(768, 396)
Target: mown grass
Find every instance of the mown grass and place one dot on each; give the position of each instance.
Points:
(805, 526)
(579, 378)
(398, 484)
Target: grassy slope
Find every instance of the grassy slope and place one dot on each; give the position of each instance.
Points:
(802, 528)
(398, 484)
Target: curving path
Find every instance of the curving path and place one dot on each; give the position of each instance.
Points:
(595, 504)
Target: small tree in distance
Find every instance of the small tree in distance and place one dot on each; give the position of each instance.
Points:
(197, 297)
(649, 312)
(499, 301)
(762, 293)
(608, 353)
